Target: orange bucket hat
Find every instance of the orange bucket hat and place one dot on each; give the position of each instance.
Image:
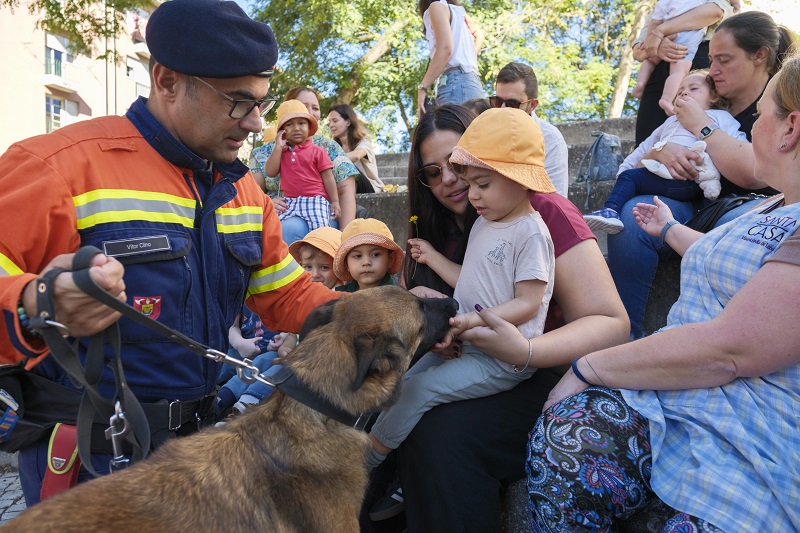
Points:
(366, 231)
(508, 141)
(290, 109)
(326, 239)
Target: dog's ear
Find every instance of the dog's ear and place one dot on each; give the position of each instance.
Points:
(379, 353)
(321, 315)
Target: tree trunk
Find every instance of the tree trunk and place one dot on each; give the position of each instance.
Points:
(643, 7)
(348, 91)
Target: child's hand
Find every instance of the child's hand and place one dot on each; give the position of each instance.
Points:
(277, 341)
(283, 351)
(651, 218)
(421, 250)
(280, 141)
(336, 211)
(247, 347)
(460, 323)
(290, 341)
(737, 6)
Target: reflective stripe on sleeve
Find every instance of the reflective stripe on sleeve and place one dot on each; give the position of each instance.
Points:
(239, 219)
(103, 206)
(8, 268)
(274, 277)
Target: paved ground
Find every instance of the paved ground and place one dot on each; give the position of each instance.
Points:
(11, 501)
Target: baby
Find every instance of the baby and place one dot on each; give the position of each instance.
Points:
(654, 177)
(666, 10)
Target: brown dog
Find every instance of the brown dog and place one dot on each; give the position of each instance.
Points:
(282, 466)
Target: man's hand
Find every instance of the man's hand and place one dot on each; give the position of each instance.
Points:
(81, 314)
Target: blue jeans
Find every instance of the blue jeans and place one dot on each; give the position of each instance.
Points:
(261, 390)
(262, 361)
(458, 87)
(638, 181)
(295, 228)
(633, 255)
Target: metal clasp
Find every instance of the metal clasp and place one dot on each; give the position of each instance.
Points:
(118, 428)
(177, 416)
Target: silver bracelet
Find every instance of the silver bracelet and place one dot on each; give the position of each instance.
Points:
(530, 355)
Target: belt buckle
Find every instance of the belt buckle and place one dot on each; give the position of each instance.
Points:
(177, 416)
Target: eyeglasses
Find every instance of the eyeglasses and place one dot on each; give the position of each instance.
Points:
(431, 174)
(496, 101)
(241, 107)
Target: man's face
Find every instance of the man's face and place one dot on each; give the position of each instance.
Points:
(200, 119)
(515, 91)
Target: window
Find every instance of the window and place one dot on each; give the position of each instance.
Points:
(53, 107)
(53, 61)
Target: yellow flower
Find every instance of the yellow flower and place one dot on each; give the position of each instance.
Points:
(413, 219)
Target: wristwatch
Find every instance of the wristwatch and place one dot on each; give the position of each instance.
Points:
(706, 131)
(421, 87)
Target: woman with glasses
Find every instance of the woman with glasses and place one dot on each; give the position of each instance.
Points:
(454, 41)
(349, 132)
(489, 434)
(344, 172)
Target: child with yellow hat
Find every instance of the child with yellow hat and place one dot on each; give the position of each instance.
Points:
(508, 266)
(368, 256)
(306, 176)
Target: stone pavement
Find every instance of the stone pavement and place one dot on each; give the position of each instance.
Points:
(11, 501)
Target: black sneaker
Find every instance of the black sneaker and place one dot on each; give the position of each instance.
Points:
(391, 503)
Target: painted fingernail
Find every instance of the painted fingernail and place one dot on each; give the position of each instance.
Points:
(478, 308)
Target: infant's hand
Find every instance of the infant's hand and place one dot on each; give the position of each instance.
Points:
(276, 342)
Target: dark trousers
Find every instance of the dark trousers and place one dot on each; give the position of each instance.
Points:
(455, 465)
(637, 181)
(650, 114)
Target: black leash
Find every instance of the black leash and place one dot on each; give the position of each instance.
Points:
(126, 416)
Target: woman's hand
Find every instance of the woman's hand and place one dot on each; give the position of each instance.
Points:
(421, 250)
(568, 386)
(678, 160)
(691, 115)
(421, 96)
(664, 49)
(499, 338)
(652, 218)
(280, 204)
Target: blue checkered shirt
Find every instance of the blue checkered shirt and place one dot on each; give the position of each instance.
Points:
(729, 454)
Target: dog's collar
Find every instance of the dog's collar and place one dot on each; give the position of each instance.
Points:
(286, 381)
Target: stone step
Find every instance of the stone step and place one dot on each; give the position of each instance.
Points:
(580, 132)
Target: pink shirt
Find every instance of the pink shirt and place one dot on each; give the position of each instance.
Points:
(301, 170)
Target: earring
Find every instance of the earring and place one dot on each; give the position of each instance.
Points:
(783, 146)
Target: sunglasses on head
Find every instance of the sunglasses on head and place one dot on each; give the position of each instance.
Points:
(496, 101)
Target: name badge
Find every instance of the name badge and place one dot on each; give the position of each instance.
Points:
(139, 245)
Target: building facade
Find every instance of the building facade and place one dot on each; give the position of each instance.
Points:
(45, 87)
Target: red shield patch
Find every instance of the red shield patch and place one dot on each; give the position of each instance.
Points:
(149, 306)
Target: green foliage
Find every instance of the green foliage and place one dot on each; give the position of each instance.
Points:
(574, 46)
(85, 23)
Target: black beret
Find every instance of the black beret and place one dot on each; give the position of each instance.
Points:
(210, 38)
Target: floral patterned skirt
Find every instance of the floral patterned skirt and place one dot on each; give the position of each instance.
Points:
(589, 466)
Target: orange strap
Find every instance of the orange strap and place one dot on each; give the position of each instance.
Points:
(63, 463)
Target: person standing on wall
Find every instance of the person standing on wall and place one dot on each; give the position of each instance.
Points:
(454, 41)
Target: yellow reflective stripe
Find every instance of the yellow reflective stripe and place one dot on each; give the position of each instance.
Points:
(103, 206)
(239, 219)
(8, 268)
(274, 277)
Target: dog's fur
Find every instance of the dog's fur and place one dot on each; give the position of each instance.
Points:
(281, 466)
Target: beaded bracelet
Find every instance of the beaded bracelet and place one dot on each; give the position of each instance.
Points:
(24, 320)
(578, 372)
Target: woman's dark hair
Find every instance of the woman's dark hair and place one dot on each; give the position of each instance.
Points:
(425, 4)
(434, 223)
(753, 30)
(479, 105)
(355, 131)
